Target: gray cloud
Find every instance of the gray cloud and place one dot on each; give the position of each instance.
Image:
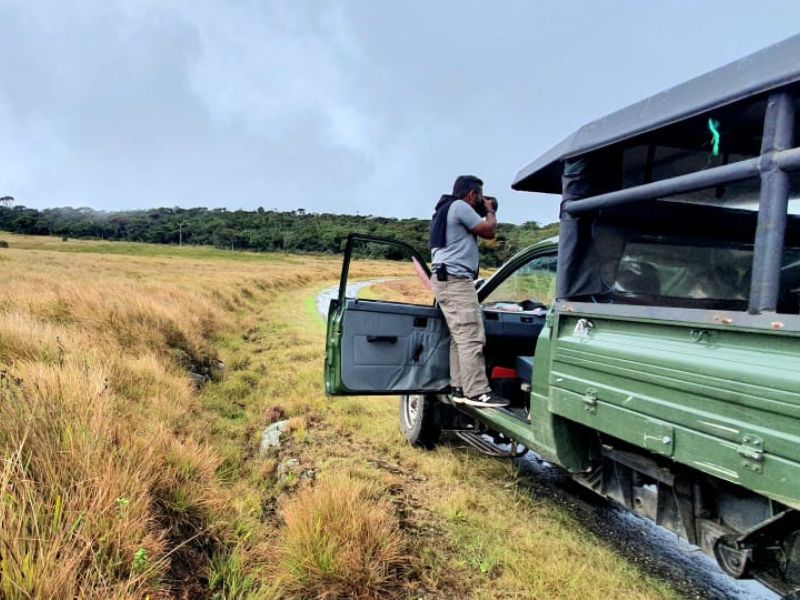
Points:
(340, 106)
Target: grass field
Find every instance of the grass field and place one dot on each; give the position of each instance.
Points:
(135, 383)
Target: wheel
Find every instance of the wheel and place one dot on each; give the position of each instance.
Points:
(418, 420)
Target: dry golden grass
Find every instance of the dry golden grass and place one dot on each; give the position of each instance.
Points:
(409, 289)
(108, 485)
(122, 478)
(341, 540)
(96, 388)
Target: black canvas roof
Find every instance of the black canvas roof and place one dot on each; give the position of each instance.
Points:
(770, 68)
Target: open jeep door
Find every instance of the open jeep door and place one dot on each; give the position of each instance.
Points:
(386, 338)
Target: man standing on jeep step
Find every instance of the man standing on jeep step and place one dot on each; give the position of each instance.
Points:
(455, 226)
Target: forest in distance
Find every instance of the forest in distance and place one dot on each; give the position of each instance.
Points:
(258, 230)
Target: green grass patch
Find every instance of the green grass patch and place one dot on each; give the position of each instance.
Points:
(54, 244)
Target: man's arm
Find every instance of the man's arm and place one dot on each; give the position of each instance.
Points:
(488, 227)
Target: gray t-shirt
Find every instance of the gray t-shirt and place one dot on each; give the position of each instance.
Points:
(460, 255)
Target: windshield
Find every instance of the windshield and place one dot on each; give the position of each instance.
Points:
(531, 286)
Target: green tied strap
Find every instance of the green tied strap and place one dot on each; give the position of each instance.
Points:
(712, 127)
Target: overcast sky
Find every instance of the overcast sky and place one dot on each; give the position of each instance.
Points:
(368, 106)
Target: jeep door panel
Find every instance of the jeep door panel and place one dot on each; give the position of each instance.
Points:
(381, 347)
(393, 348)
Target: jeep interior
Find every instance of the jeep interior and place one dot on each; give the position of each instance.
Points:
(514, 311)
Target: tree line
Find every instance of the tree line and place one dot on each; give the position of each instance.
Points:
(258, 230)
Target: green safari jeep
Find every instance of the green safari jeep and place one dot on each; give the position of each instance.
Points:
(653, 352)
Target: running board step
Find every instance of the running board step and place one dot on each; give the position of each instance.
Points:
(480, 444)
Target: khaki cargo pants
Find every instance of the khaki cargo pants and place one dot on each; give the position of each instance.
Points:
(459, 303)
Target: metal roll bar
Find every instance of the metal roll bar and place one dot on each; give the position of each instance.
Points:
(778, 156)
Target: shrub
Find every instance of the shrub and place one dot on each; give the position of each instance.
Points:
(341, 542)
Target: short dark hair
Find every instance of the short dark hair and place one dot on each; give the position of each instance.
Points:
(465, 184)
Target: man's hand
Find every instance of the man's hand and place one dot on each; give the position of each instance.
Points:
(488, 227)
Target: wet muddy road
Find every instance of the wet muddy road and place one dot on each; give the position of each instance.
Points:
(656, 551)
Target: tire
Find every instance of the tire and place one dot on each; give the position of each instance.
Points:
(418, 420)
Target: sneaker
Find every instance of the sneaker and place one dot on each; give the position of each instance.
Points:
(487, 400)
(457, 396)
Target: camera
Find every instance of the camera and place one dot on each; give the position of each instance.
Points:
(481, 208)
